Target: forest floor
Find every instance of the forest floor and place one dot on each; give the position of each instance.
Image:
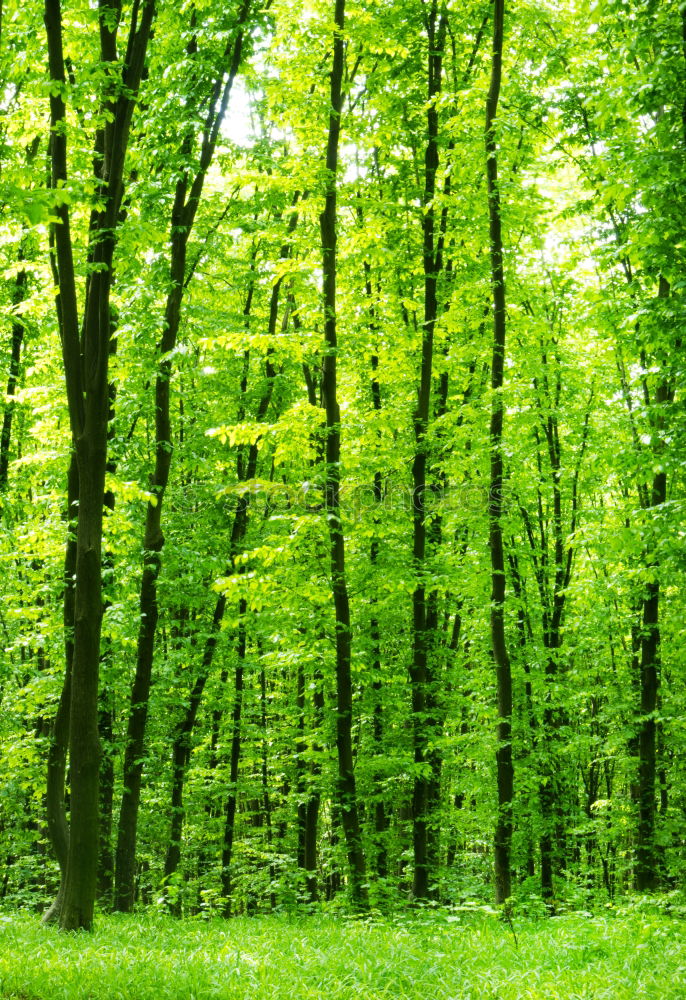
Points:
(622, 954)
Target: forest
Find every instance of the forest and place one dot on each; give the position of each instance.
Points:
(342, 493)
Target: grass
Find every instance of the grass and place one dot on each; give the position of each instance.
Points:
(438, 955)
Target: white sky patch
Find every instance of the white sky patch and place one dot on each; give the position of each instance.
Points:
(237, 126)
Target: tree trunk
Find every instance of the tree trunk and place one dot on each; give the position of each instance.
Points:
(17, 339)
(232, 800)
(647, 860)
(300, 771)
(106, 712)
(86, 359)
(245, 471)
(347, 794)
(421, 669)
(647, 852)
(503, 829)
(186, 200)
(106, 858)
(182, 743)
(314, 796)
(266, 797)
(56, 813)
(380, 818)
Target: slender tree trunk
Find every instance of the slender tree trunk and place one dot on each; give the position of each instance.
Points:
(186, 200)
(347, 794)
(313, 802)
(555, 776)
(503, 830)
(380, 819)
(420, 671)
(314, 795)
(181, 749)
(17, 339)
(423, 626)
(266, 797)
(551, 788)
(647, 859)
(106, 710)
(309, 794)
(106, 857)
(153, 542)
(310, 858)
(232, 800)
(647, 853)
(56, 812)
(245, 470)
(300, 768)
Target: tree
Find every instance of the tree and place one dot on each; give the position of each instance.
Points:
(86, 357)
(347, 798)
(187, 194)
(501, 659)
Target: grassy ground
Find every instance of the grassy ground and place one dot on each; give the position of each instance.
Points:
(437, 956)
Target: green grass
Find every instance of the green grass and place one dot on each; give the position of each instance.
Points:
(436, 956)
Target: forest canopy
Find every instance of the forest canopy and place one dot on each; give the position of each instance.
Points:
(341, 464)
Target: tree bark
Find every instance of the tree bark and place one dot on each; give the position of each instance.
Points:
(17, 339)
(505, 771)
(58, 745)
(313, 800)
(647, 854)
(421, 668)
(86, 358)
(232, 799)
(106, 713)
(380, 823)
(266, 797)
(186, 200)
(380, 818)
(347, 794)
(182, 743)
(300, 770)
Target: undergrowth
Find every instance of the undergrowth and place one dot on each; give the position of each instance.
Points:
(464, 954)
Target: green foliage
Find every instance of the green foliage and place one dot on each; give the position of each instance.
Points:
(592, 186)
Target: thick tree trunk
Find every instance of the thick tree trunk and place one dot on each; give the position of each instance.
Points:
(86, 359)
(505, 773)
(84, 742)
(347, 795)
